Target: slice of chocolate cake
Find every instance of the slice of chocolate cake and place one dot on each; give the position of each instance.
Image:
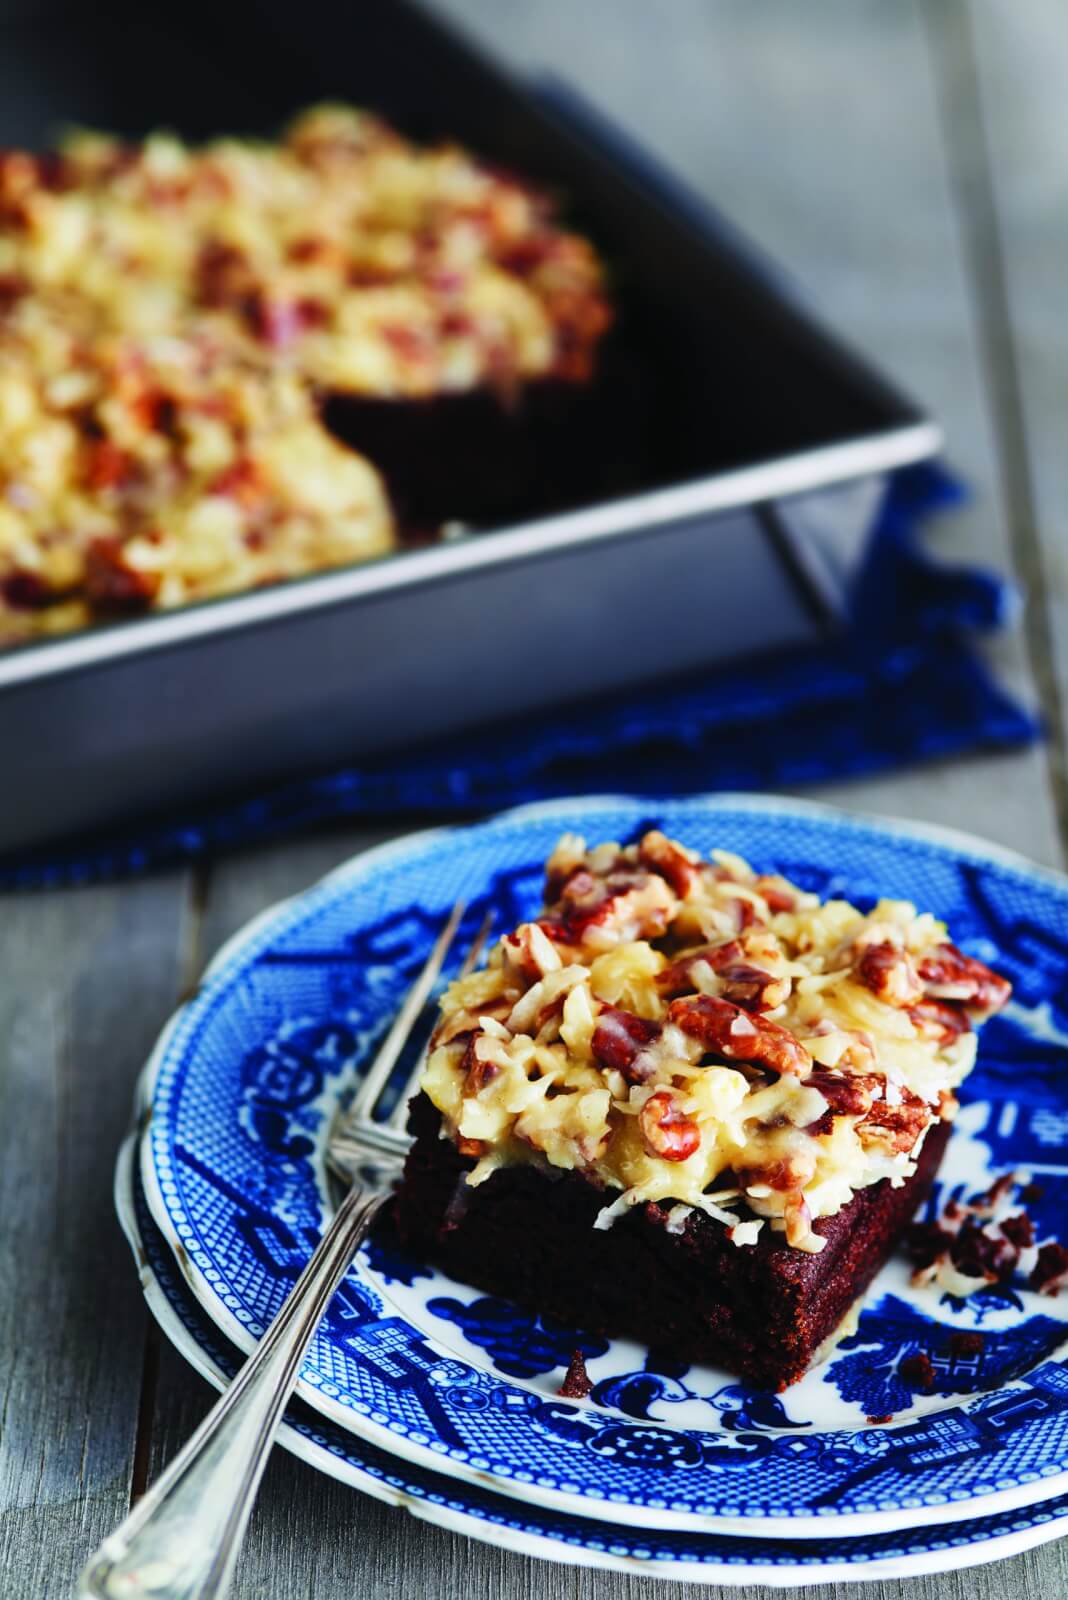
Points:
(690, 1104)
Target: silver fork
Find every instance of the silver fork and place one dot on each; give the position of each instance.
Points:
(182, 1539)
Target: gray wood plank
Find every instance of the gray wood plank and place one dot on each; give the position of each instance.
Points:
(88, 979)
(1019, 56)
(245, 885)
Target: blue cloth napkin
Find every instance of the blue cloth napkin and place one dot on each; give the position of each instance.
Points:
(902, 684)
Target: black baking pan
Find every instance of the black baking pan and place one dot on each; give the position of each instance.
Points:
(714, 500)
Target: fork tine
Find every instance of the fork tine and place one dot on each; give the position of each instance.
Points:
(398, 1117)
(403, 1022)
(472, 957)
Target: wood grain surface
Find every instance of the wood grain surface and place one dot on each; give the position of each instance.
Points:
(907, 165)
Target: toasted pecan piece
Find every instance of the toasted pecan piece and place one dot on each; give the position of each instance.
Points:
(744, 979)
(666, 1130)
(938, 1020)
(848, 1094)
(895, 1127)
(733, 1033)
(623, 906)
(619, 1040)
(671, 861)
(888, 971)
(948, 974)
(112, 585)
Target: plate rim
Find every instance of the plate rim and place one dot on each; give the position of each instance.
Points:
(804, 1525)
(544, 1546)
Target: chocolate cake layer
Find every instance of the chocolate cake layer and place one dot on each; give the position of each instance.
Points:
(761, 1311)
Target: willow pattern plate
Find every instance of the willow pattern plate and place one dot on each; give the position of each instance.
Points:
(246, 1078)
(531, 1530)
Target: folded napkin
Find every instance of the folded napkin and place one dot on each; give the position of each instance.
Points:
(900, 685)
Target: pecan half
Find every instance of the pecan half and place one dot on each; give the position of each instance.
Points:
(948, 974)
(938, 1020)
(752, 988)
(743, 980)
(664, 856)
(677, 978)
(848, 1094)
(619, 1040)
(733, 1033)
(666, 1132)
(895, 1127)
(623, 906)
(888, 971)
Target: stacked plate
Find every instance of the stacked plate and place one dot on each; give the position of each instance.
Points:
(426, 1393)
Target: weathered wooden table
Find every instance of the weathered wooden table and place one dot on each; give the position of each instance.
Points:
(909, 164)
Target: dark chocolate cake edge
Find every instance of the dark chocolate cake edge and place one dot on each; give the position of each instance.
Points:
(762, 1311)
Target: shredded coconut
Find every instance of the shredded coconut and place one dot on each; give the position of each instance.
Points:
(170, 315)
(712, 1038)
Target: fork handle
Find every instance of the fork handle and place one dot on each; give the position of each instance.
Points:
(181, 1540)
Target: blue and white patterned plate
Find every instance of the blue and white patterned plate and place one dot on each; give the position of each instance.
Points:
(698, 1557)
(243, 1084)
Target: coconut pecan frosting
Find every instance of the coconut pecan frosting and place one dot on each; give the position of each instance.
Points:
(171, 317)
(694, 1031)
